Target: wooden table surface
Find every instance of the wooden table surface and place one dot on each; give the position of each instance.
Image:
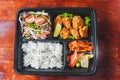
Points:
(108, 16)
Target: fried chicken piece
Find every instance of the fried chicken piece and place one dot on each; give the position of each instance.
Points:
(75, 33)
(65, 33)
(77, 22)
(67, 22)
(58, 19)
(83, 31)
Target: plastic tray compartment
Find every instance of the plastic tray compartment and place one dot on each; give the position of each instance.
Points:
(20, 68)
(53, 12)
(81, 71)
(23, 12)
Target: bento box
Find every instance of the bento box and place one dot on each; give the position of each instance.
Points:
(56, 41)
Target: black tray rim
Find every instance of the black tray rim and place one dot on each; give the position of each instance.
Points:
(57, 73)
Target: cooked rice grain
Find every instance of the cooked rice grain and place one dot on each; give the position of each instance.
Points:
(42, 55)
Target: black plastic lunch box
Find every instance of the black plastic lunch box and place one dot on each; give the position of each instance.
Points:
(66, 70)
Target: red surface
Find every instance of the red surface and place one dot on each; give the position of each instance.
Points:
(108, 16)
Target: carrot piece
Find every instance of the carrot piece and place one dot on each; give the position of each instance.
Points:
(73, 59)
(42, 34)
(39, 20)
(73, 46)
(29, 19)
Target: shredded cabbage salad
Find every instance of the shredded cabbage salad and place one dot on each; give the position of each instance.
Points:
(35, 25)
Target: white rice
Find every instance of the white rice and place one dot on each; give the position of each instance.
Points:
(42, 55)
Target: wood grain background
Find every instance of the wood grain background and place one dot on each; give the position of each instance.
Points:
(108, 19)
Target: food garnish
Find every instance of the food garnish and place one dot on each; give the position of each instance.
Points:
(79, 60)
(87, 21)
(57, 30)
